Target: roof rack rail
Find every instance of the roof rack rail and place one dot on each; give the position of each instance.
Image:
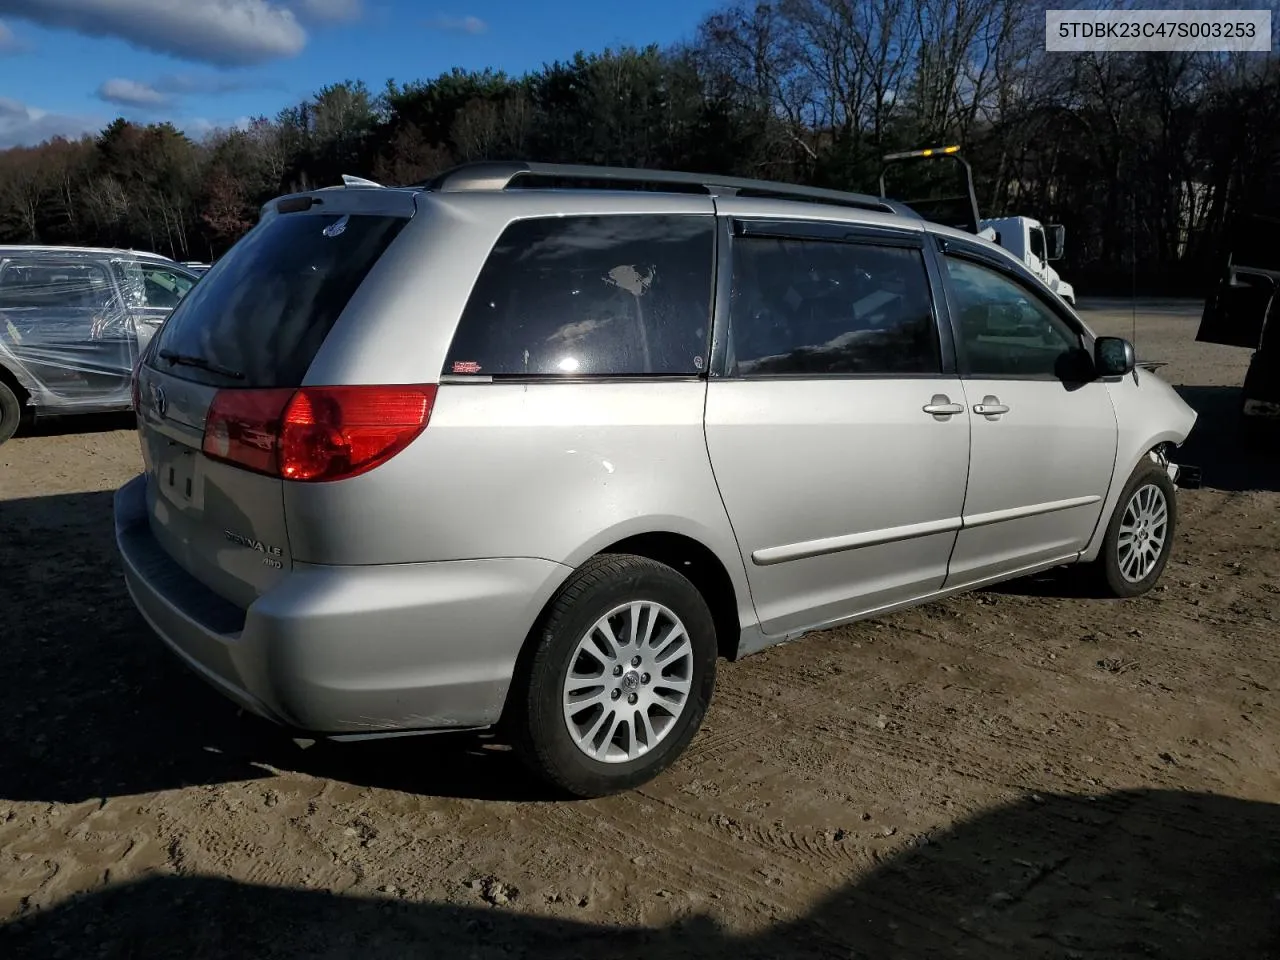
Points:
(503, 175)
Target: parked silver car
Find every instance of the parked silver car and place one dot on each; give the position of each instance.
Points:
(525, 447)
(72, 321)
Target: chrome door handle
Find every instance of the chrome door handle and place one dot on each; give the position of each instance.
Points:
(990, 407)
(941, 406)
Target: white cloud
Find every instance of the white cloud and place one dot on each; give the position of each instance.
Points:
(209, 83)
(8, 42)
(329, 10)
(472, 25)
(21, 125)
(131, 93)
(200, 127)
(220, 32)
(168, 90)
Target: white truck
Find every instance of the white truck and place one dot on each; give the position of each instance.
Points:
(1035, 244)
(947, 196)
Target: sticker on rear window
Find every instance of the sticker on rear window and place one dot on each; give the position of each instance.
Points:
(337, 227)
(466, 366)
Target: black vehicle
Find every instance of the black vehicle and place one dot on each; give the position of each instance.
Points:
(1242, 311)
(72, 323)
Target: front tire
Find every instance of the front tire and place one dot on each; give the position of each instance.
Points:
(619, 677)
(1139, 536)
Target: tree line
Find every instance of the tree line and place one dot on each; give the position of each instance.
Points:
(1145, 158)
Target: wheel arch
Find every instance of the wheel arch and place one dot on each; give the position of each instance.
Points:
(1126, 462)
(686, 554)
(699, 564)
(712, 553)
(677, 545)
(10, 380)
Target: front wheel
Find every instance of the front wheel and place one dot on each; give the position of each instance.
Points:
(1139, 536)
(620, 676)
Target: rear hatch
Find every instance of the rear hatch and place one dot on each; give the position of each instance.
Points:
(216, 381)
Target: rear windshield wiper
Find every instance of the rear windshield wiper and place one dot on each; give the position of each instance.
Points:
(187, 360)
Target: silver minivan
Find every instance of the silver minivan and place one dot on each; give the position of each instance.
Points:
(530, 447)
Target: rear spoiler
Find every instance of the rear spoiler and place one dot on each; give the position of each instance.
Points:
(293, 202)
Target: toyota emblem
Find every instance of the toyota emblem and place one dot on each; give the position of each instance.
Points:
(159, 400)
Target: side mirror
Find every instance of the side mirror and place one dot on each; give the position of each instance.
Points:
(1055, 237)
(1113, 357)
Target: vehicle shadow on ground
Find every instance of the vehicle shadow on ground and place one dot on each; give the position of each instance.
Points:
(1062, 583)
(92, 705)
(1167, 874)
(85, 423)
(1231, 457)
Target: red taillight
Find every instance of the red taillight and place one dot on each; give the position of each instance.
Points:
(335, 432)
(243, 427)
(315, 433)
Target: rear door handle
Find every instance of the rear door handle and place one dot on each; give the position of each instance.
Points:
(990, 407)
(941, 406)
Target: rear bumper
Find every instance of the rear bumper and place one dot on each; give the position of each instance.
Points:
(346, 650)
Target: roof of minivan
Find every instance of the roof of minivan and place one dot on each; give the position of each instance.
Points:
(500, 175)
(489, 177)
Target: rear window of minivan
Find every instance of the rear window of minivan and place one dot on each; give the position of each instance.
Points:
(259, 317)
(613, 295)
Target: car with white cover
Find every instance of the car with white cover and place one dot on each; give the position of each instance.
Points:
(72, 323)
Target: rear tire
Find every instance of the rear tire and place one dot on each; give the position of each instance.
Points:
(594, 717)
(1139, 536)
(10, 412)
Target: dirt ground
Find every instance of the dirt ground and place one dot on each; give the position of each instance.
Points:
(1018, 773)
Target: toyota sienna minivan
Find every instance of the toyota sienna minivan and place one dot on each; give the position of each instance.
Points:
(530, 447)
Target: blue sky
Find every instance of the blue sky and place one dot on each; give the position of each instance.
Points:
(70, 66)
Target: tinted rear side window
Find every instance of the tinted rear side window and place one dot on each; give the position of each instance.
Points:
(622, 295)
(266, 308)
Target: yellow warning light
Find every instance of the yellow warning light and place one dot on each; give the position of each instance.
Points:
(927, 152)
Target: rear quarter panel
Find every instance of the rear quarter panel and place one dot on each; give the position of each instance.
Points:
(556, 471)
